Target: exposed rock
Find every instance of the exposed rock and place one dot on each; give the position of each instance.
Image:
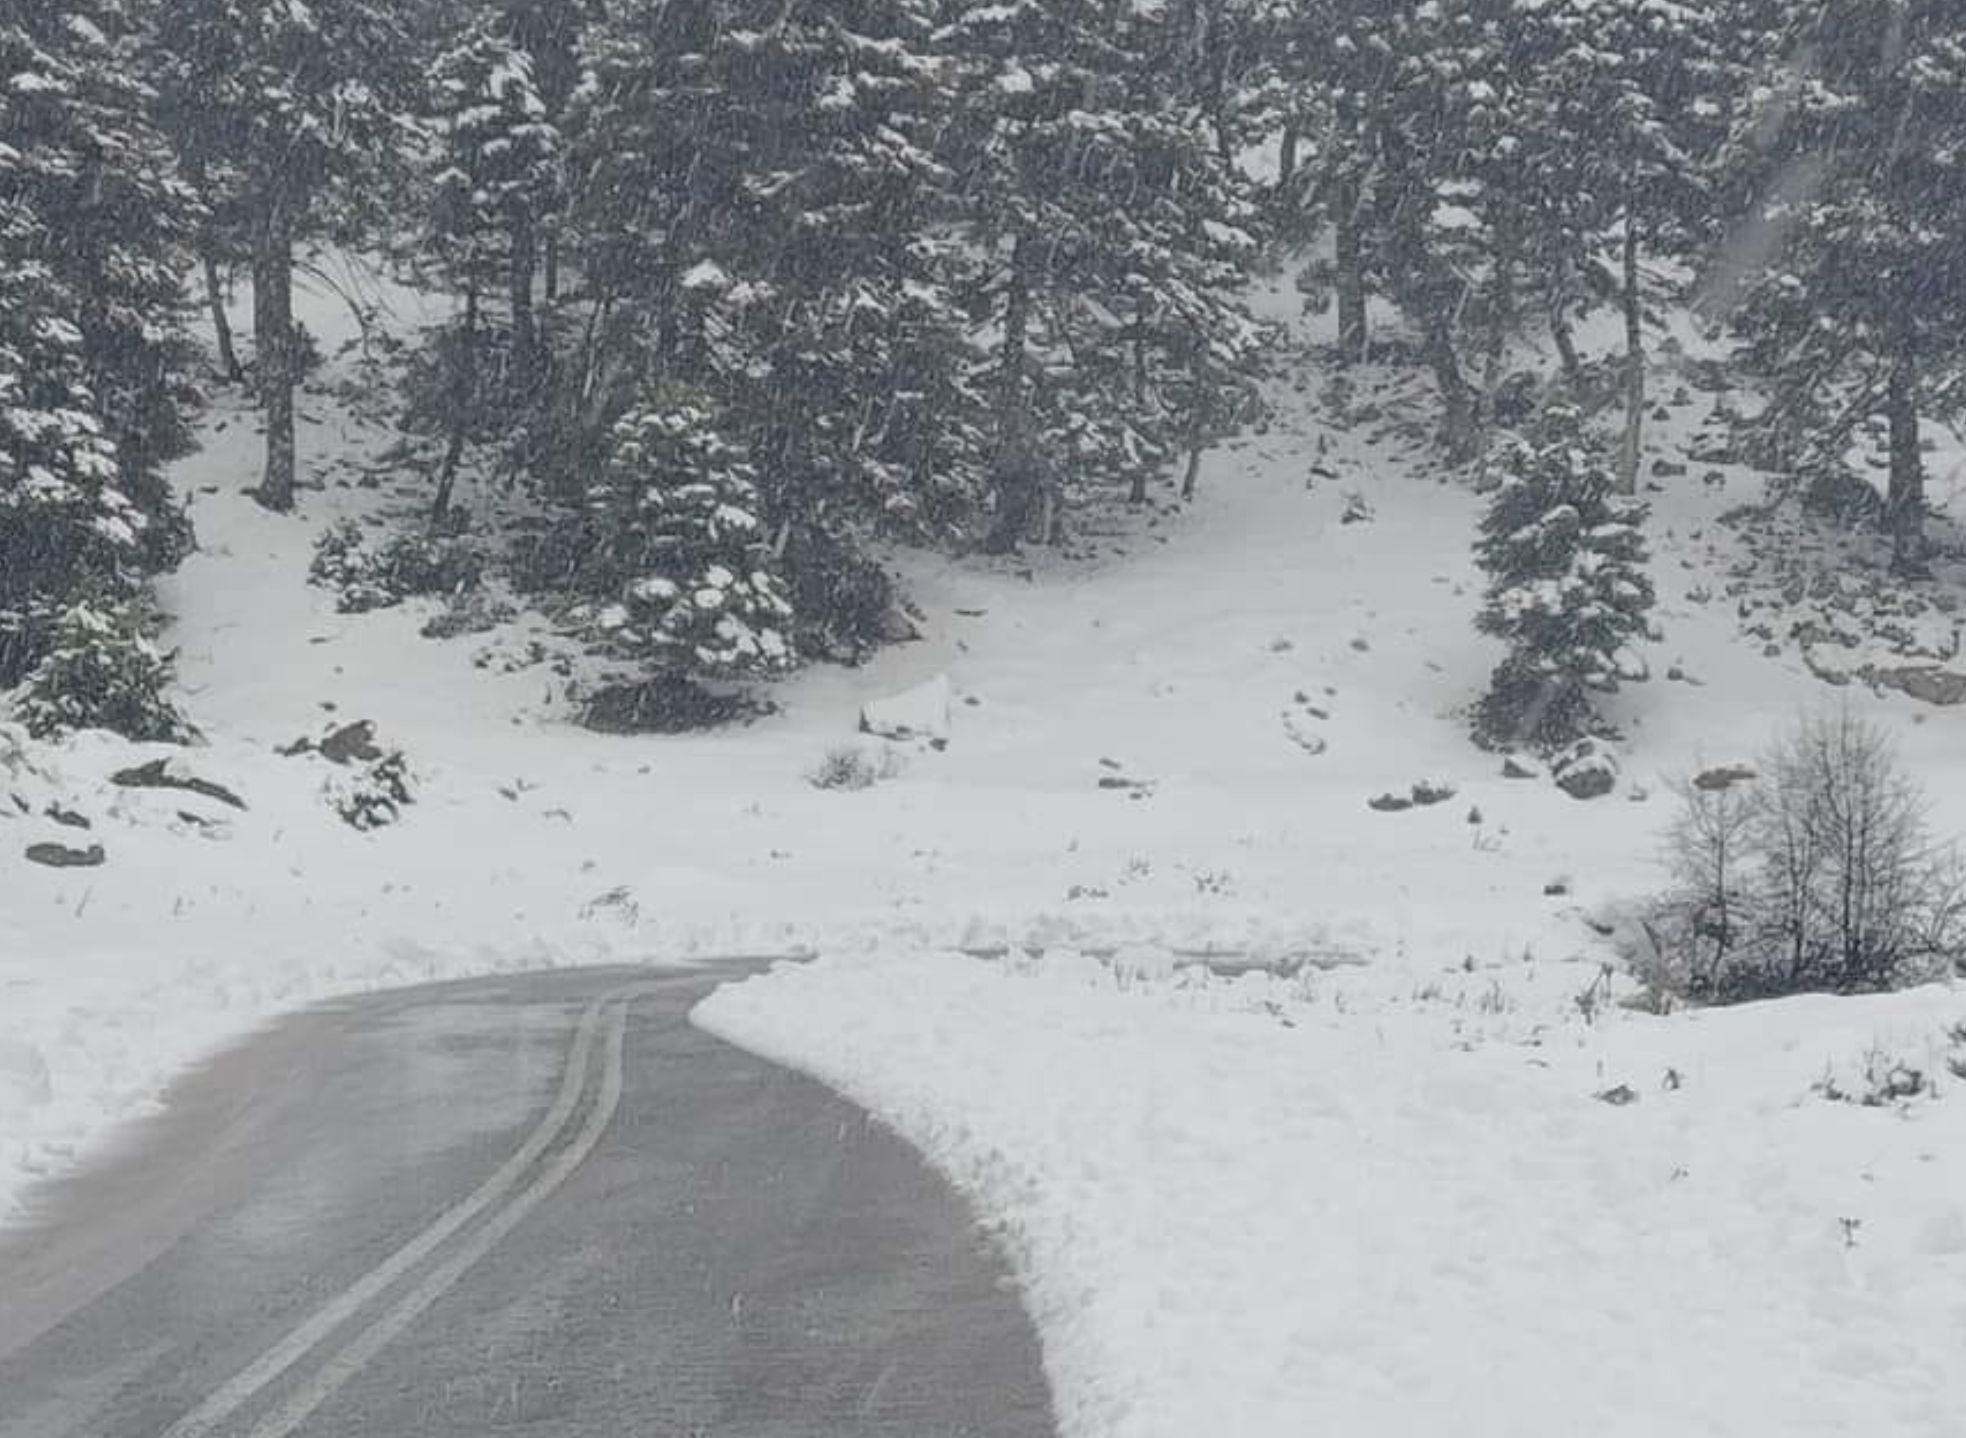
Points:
(1822, 662)
(1945, 687)
(61, 856)
(1668, 468)
(918, 713)
(1426, 793)
(1723, 776)
(68, 818)
(1587, 771)
(351, 742)
(1389, 803)
(170, 774)
(1516, 766)
(666, 704)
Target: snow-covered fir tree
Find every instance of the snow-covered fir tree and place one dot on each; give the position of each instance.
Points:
(1857, 153)
(93, 239)
(1090, 172)
(299, 111)
(496, 176)
(677, 569)
(499, 174)
(1622, 111)
(99, 671)
(1567, 586)
(756, 213)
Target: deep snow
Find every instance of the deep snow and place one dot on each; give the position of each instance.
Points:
(1377, 1190)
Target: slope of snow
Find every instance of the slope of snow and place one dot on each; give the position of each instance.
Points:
(1159, 756)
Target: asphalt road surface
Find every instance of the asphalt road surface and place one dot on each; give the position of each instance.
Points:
(541, 1205)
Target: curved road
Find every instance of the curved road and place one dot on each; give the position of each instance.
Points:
(541, 1205)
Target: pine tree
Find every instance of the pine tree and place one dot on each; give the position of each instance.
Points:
(497, 172)
(1092, 177)
(1567, 587)
(1325, 86)
(757, 212)
(93, 233)
(676, 566)
(501, 171)
(1621, 119)
(298, 109)
(1864, 307)
(100, 672)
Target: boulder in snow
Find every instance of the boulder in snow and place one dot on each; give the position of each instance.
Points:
(351, 742)
(918, 713)
(61, 856)
(1724, 776)
(1586, 771)
(170, 774)
(1945, 687)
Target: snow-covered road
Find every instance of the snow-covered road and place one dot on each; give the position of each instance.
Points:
(543, 1199)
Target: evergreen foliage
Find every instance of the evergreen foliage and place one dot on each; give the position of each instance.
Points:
(1567, 587)
(93, 232)
(1855, 153)
(100, 672)
(676, 568)
(293, 116)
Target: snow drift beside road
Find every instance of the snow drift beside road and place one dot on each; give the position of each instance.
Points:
(1366, 1203)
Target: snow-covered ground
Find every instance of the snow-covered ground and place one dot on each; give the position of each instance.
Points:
(1389, 1201)
(1374, 1184)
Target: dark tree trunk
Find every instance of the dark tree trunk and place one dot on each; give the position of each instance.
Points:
(1566, 345)
(1906, 504)
(1501, 318)
(1351, 272)
(1561, 284)
(1137, 494)
(463, 400)
(277, 360)
(525, 263)
(228, 353)
(1195, 449)
(1016, 325)
(1016, 480)
(1287, 162)
(1215, 80)
(552, 263)
(1633, 443)
(1460, 429)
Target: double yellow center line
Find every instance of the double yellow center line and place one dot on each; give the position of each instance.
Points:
(423, 1269)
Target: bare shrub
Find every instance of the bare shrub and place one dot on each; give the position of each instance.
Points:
(1820, 877)
(1709, 855)
(851, 766)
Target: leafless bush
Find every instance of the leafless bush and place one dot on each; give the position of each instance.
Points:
(849, 766)
(1821, 875)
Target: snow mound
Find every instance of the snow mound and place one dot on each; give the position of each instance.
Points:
(1270, 1208)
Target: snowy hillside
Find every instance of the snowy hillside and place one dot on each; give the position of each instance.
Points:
(1388, 1180)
